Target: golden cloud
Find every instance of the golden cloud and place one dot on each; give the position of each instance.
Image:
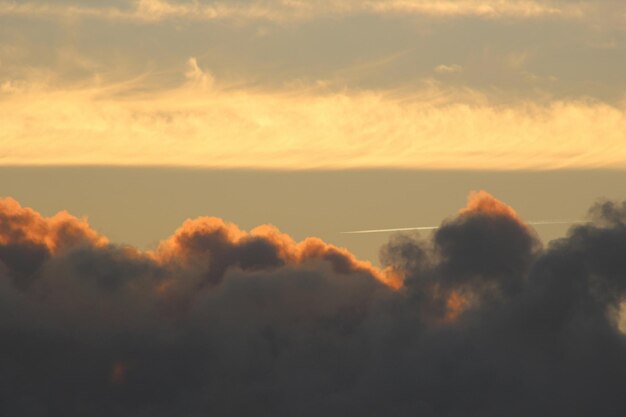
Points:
(304, 129)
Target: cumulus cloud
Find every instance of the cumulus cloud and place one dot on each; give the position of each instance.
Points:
(220, 321)
(27, 240)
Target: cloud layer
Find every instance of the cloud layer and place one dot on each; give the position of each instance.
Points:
(203, 126)
(283, 84)
(477, 319)
(286, 10)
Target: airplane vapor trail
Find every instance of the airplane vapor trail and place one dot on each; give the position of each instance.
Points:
(406, 229)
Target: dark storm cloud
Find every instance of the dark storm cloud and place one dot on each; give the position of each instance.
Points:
(222, 322)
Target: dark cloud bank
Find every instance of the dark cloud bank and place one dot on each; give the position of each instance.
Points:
(477, 320)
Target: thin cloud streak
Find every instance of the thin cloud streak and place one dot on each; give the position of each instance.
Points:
(407, 229)
(286, 10)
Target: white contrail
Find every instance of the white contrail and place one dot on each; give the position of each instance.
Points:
(405, 229)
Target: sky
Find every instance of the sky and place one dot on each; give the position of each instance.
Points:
(312, 85)
(176, 175)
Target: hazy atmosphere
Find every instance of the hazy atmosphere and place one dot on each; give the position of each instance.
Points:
(141, 206)
(320, 84)
(177, 178)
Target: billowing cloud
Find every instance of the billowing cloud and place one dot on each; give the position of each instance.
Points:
(27, 239)
(215, 247)
(221, 321)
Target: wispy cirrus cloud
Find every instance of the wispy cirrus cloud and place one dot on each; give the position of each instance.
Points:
(290, 10)
(204, 124)
(448, 69)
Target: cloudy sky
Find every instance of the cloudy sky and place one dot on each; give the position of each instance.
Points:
(175, 176)
(308, 87)
(318, 84)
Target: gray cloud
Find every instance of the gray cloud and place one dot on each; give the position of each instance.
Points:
(222, 322)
